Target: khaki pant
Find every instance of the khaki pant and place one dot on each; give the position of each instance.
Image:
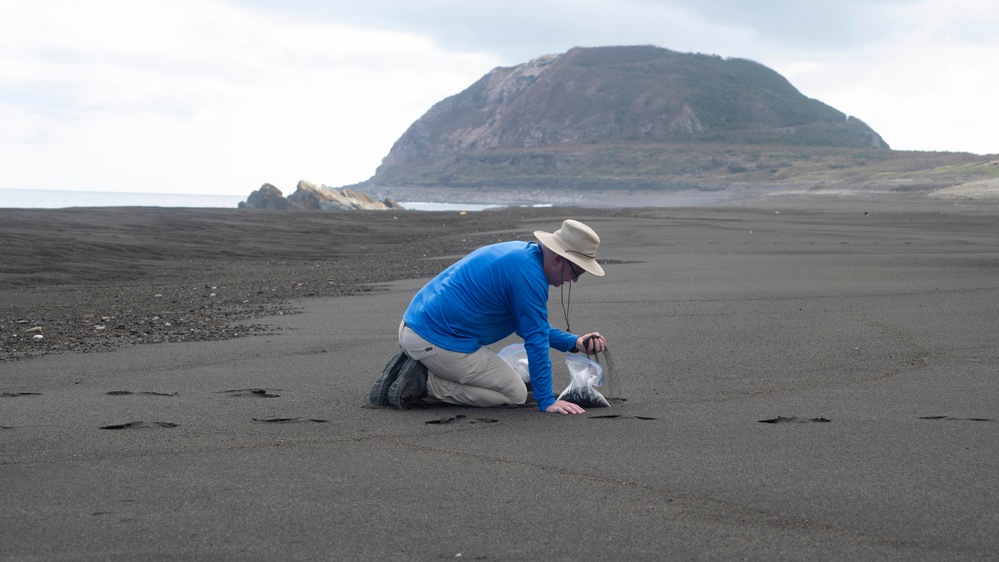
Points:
(481, 378)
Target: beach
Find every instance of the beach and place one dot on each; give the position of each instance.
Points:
(794, 378)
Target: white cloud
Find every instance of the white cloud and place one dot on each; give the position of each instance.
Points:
(216, 97)
(205, 97)
(928, 89)
(919, 71)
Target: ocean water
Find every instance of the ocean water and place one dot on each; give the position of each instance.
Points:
(432, 206)
(54, 199)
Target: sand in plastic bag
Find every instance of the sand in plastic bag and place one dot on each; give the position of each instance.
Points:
(585, 375)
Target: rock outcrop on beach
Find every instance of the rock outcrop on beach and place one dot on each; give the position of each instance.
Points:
(267, 197)
(308, 196)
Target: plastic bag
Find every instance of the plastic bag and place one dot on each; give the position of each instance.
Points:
(516, 356)
(585, 375)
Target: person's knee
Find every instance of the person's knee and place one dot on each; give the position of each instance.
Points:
(510, 394)
(517, 394)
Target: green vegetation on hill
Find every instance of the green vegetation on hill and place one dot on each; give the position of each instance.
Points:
(680, 166)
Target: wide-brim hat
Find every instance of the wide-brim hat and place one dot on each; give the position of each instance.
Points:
(575, 242)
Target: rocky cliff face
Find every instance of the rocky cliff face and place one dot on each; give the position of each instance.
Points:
(309, 197)
(610, 97)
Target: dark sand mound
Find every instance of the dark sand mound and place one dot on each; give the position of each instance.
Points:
(98, 278)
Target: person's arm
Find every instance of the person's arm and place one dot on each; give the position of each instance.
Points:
(529, 304)
(540, 365)
(562, 341)
(588, 343)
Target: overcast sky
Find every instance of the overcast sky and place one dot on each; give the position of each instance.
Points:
(221, 96)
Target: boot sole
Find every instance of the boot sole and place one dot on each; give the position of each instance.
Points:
(410, 370)
(379, 391)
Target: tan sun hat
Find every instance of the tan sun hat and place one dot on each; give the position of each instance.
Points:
(575, 242)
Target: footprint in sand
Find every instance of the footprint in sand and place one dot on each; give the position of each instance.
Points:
(145, 393)
(952, 418)
(793, 419)
(460, 418)
(288, 420)
(614, 416)
(141, 425)
(252, 393)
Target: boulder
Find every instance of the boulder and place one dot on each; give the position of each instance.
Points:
(267, 197)
(324, 198)
(309, 197)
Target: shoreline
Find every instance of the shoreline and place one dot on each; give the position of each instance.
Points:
(980, 191)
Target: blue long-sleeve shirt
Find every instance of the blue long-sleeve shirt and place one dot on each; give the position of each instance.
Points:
(489, 294)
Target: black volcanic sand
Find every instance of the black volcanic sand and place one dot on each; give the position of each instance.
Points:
(96, 279)
(793, 379)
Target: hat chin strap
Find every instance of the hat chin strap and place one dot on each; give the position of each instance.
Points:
(561, 296)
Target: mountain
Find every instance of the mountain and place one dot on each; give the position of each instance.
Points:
(631, 117)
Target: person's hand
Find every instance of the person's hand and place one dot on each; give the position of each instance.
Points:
(563, 407)
(591, 343)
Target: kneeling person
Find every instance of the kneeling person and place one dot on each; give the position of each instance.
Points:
(493, 292)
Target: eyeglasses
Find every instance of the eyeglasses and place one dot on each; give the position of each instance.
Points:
(572, 266)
